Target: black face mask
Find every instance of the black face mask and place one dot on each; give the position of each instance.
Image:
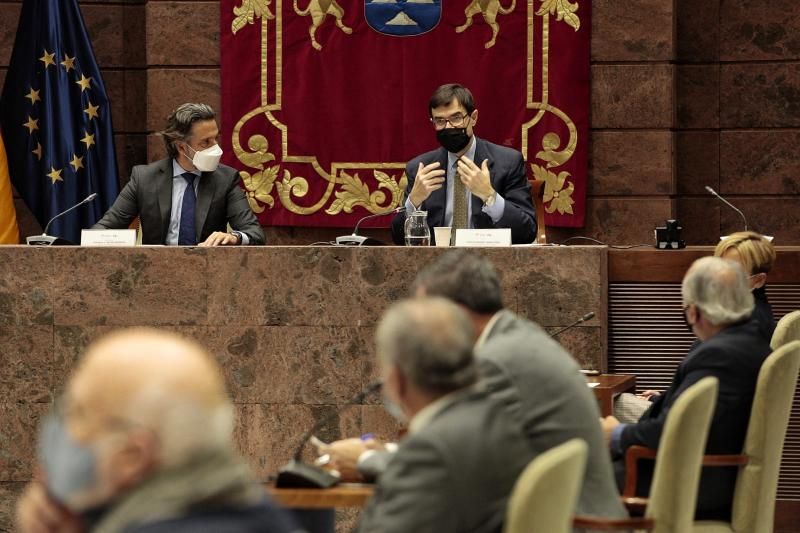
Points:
(453, 139)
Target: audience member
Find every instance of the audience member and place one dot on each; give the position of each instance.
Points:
(142, 443)
(717, 307)
(457, 466)
(532, 375)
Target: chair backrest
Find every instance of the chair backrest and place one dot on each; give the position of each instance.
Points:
(673, 493)
(787, 330)
(545, 494)
(757, 483)
(537, 197)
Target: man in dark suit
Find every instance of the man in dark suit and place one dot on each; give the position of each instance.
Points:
(532, 376)
(717, 305)
(458, 464)
(468, 182)
(188, 198)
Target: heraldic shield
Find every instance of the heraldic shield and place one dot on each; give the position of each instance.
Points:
(402, 17)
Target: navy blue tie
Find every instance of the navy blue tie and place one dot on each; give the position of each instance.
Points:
(187, 234)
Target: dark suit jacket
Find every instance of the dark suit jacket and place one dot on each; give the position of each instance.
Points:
(454, 475)
(542, 387)
(509, 179)
(762, 313)
(733, 356)
(148, 195)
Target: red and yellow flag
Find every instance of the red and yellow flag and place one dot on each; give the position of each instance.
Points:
(9, 231)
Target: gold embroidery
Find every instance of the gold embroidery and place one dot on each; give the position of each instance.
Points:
(354, 192)
(489, 9)
(560, 198)
(319, 9)
(248, 11)
(563, 9)
(259, 188)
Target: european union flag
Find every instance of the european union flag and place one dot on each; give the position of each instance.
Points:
(56, 119)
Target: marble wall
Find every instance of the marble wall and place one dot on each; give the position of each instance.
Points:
(292, 328)
(682, 96)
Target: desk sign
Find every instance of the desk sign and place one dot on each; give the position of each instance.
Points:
(108, 237)
(483, 237)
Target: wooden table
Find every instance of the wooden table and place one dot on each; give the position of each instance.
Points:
(344, 495)
(607, 388)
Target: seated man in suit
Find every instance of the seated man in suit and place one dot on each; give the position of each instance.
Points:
(188, 198)
(717, 306)
(458, 464)
(468, 182)
(530, 374)
(143, 443)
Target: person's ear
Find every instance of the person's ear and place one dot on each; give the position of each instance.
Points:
(134, 460)
(759, 280)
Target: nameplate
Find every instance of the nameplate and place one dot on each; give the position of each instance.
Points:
(108, 237)
(483, 237)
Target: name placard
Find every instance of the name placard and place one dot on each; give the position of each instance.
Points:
(483, 237)
(108, 237)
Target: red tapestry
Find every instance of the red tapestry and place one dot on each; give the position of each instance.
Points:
(324, 101)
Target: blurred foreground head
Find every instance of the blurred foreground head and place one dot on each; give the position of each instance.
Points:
(140, 401)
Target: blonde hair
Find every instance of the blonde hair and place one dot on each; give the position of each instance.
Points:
(756, 252)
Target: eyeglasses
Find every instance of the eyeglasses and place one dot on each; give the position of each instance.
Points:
(456, 120)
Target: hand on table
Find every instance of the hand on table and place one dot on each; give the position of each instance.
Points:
(344, 455)
(220, 238)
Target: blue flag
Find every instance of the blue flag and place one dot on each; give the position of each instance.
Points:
(56, 119)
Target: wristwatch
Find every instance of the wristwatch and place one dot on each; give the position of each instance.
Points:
(238, 235)
(491, 199)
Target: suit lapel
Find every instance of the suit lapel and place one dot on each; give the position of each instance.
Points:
(438, 198)
(165, 196)
(205, 192)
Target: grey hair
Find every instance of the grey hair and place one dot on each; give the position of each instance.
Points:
(185, 428)
(465, 278)
(719, 288)
(430, 341)
(180, 122)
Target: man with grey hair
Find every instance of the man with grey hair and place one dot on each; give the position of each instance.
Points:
(143, 443)
(458, 464)
(187, 198)
(717, 305)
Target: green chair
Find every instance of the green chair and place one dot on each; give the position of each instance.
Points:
(545, 494)
(673, 492)
(787, 330)
(757, 482)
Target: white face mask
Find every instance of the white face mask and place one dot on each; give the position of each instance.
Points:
(206, 160)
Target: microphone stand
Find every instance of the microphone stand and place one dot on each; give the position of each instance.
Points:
(48, 240)
(296, 473)
(726, 202)
(357, 240)
(581, 320)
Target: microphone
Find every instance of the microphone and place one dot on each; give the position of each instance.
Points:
(726, 202)
(46, 240)
(581, 320)
(296, 473)
(357, 240)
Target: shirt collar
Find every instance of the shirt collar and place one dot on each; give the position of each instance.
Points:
(487, 330)
(469, 154)
(178, 170)
(425, 416)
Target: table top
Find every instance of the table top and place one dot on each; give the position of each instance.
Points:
(615, 382)
(343, 495)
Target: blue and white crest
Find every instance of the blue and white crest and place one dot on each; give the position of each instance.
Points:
(403, 17)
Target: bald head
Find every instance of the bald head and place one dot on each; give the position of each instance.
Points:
(154, 380)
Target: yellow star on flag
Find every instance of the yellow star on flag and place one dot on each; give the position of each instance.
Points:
(48, 59)
(77, 162)
(92, 110)
(32, 124)
(33, 96)
(55, 175)
(84, 82)
(68, 63)
(88, 139)
(38, 151)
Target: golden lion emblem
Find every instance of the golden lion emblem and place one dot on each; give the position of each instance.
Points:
(489, 9)
(319, 9)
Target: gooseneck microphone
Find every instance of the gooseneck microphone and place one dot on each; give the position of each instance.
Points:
(726, 202)
(357, 240)
(46, 240)
(581, 320)
(296, 473)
